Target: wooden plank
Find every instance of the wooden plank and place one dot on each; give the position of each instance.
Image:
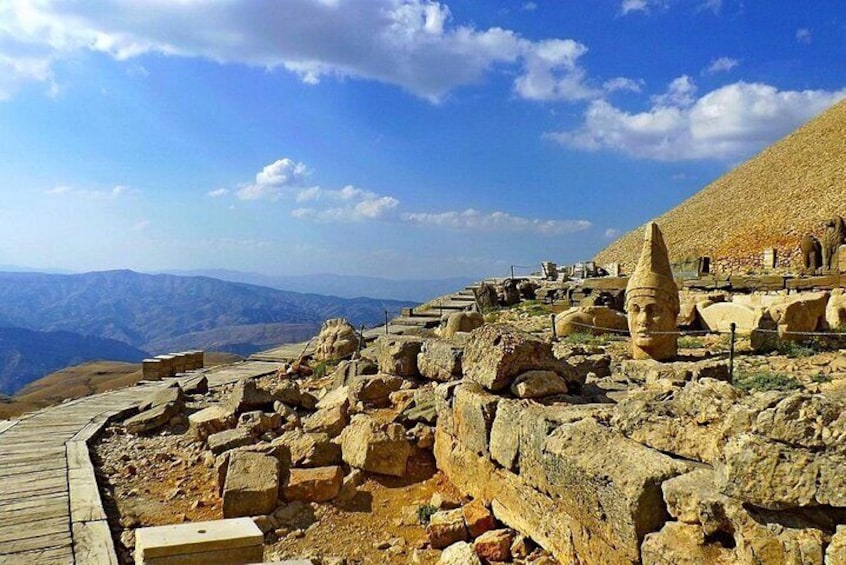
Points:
(78, 456)
(89, 431)
(37, 543)
(38, 510)
(92, 543)
(47, 499)
(85, 503)
(26, 459)
(32, 490)
(16, 532)
(6, 424)
(43, 450)
(40, 465)
(33, 477)
(57, 555)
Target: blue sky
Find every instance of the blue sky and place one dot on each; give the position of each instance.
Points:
(397, 138)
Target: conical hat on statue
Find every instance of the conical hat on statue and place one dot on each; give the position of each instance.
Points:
(653, 275)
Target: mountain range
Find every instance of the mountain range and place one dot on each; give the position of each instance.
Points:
(151, 314)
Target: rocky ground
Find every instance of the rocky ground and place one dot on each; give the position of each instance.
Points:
(352, 443)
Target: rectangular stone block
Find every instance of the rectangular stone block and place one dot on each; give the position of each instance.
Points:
(228, 542)
(196, 359)
(167, 365)
(180, 362)
(151, 369)
(473, 413)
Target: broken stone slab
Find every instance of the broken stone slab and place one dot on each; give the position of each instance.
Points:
(374, 390)
(595, 320)
(229, 439)
(210, 420)
(719, 317)
(258, 422)
(397, 355)
(288, 392)
(806, 420)
(251, 486)
(538, 384)
(236, 540)
(246, 396)
(836, 551)
(330, 421)
(611, 484)
(446, 527)
(375, 447)
(494, 545)
(495, 355)
(310, 449)
(478, 518)
(457, 322)
(440, 360)
(473, 413)
(169, 395)
(650, 371)
(317, 484)
(346, 371)
(196, 385)
(804, 312)
(459, 553)
(678, 543)
(151, 419)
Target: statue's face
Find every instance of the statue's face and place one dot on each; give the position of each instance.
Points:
(647, 314)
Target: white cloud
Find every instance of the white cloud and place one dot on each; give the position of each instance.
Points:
(729, 123)
(804, 35)
(622, 83)
(218, 192)
(715, 6)
(612, 233)
(642, 6)
(723, 64)
(347, 204)
(530, 6)
(474, 220)
(113, 193)
(274, 180)
(414, 44)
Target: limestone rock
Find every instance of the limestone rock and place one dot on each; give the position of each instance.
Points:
(683, 544)
(835, 553)
(209, 421)
(337, 339)
(397, 355)
(595, 320)
(374, 390)
(811, 421)
(835, 310)
(152, 418)
(288, 392)
(252, 485)
(538, 384)
(718, 317)
(446, 527)
(346, 371)
(229, 439)
(495, 355)
(459, 553)
(461, 322)
(330, 421)
(803, 312)
(440, 360)
(317, 484)
(258, 422)
(478, 518)
(248, 396)
(494, 545)
(310, 449)
(473, 413)
(374, 447)
(169, 395)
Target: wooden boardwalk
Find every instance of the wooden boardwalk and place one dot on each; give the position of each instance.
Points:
(50, 507)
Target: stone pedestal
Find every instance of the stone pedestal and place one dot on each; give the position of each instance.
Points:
(167, 365)
(227, 542)
(151, 369)
(769, 258)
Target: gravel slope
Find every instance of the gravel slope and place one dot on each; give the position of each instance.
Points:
(789, 189)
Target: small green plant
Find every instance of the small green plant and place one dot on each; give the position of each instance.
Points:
(424, 513)
(821, 378)
(582, 338)
(689, 342)
(765, 380)
(795, 350)
(325, 367)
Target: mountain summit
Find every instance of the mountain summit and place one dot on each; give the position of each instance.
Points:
(788, 190)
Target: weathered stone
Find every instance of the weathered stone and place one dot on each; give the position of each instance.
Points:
(152, 418)
(288, 392)
(495, 355)
(719, 317)
(693, 498)
(258, 422)
(835, 553)
(374, 390)
(652, 301)
(378, 448)
(505, 436)
(197, 385)
(229, 439)
(422, 409)
(337, 339)
(538, 384)
(169, 395)
(440, 360)
(835, 309)
(473, 413)
(803, 312)
(248, 396)
(805, 420)
(461, 322)
(252, 485)
(477, 518)
(310, 449)
(596, 320)
(330, 421)
(459, 553)
(209, 421)
(446, 527)
(346, 371)
(317, 484)
(683, 544)
(397, 355)
(768, 474)
(494, 545)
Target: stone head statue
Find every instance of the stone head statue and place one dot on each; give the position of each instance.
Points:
(652, 301)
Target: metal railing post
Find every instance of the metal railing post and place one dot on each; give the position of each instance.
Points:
(554, 333)
(733, 328)
(386, 323)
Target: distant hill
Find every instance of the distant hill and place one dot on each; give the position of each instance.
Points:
(772, 200)
(26, 355)
(345, 286)
(155, 312)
